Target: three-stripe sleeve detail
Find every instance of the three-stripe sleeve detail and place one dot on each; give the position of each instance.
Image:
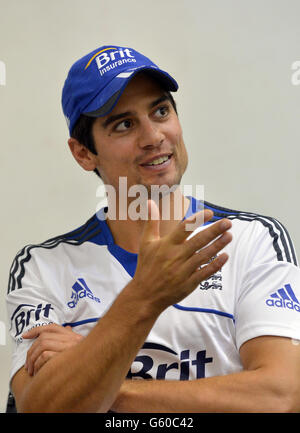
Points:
(281, 240)
(77, 237)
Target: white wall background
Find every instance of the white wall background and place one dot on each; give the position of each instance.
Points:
(238, 107)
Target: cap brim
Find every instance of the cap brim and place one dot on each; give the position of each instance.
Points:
(107, 98)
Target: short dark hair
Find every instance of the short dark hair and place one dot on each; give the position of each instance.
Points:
(82, 130)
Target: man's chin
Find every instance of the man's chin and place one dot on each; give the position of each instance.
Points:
(163, 188)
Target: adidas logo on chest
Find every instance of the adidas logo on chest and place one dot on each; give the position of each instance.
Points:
(284, 298)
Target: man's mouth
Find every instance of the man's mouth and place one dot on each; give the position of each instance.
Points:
(157, 161)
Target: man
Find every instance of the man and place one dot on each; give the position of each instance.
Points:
(228, 345)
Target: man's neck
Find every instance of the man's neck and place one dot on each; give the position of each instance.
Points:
(127, 232)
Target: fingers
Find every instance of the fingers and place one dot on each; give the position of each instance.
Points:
(206, 255)
(51, 328)
(182, 231)
(42, 351)
(49, 341)
(207, 271)
(41, 360)
(38, 348)
(205, 237)
(194, 268)
(37, 359)
(151, 227)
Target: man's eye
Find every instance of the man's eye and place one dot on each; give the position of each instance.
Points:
(162, 111)
(123, 126)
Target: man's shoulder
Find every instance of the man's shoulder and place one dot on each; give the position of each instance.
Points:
(32, 255)
(258, 227)
(242, 215)
(84, 233)
(225, 212)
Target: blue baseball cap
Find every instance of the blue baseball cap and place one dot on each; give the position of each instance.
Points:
(96, 81)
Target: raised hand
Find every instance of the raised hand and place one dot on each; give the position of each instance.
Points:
(171, 267)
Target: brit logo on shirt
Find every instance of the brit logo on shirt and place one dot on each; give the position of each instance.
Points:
(27, 316)
(284, 298)
(81, 290)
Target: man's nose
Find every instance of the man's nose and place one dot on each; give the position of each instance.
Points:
(151, 134)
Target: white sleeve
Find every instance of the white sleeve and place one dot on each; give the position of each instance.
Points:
(269, 297)
(30, 303)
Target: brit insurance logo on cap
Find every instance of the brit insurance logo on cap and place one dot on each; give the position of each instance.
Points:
(96, 81)
(112, 57)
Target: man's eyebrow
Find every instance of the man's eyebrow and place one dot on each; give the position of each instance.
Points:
(163, 98)
(115, 117)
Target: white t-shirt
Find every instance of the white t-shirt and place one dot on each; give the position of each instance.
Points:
(74, 278)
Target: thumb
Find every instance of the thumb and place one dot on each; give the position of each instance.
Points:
(151, 226)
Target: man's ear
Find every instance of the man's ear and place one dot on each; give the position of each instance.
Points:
(82, 154)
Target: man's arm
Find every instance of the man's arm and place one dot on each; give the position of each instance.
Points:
(87, 377)
(270, 382)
